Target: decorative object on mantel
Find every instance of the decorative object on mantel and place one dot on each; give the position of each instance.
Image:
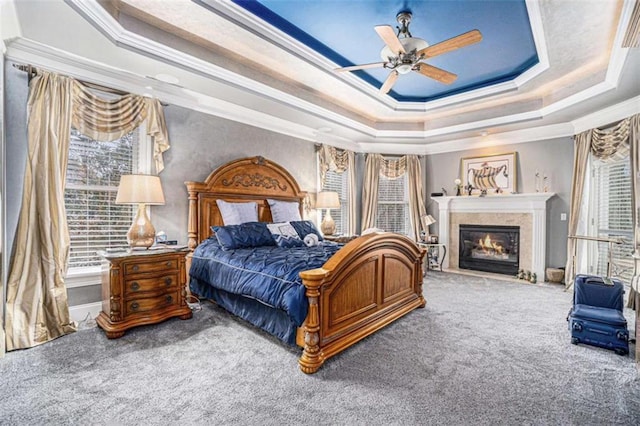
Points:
(469, 189)
(537, 181)
(493, 173)
(545, 183)
(458, 184)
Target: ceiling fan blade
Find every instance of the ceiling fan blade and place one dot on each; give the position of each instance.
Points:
(389, 37)
(361, 67)
(389, 82)
(436, 73)
(471, 37)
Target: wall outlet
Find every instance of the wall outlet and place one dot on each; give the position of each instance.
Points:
(563, 216)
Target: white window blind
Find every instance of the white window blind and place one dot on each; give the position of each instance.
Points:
(612, 216)
(338, 182)
(393, 205)
(93, 174)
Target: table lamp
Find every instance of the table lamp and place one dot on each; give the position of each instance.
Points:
(427, 220)
(327, 200)
(140, 190)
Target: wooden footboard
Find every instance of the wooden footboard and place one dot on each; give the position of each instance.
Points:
(372, 281)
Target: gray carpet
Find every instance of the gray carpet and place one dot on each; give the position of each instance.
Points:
(482, 352)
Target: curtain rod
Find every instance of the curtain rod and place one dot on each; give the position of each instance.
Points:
(33, 71)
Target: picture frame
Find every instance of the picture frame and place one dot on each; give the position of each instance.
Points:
(433, 239)
(490, 174)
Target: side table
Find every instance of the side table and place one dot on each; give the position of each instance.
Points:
(142, 287)
(434, 258)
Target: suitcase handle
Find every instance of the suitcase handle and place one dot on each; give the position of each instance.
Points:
(599, 280)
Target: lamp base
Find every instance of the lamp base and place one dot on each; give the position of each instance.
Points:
(328, 226)
(142, 234)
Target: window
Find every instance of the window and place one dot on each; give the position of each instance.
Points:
(393, 205)
(93, 173)
(612, 217)
(338, 182)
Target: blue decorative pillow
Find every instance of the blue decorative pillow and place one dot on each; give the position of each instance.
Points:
(237, 213)
(306, 227)
(284, 211)
(285, 235)
(246, 235)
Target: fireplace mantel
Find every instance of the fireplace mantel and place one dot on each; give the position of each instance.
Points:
(534, 204)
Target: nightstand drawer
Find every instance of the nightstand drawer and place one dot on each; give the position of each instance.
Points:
(133, 287)
(151, 304)
(143, 267)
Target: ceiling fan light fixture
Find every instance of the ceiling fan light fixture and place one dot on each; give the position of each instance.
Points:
(404, 68)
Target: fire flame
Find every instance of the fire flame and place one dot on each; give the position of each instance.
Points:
(489, 246)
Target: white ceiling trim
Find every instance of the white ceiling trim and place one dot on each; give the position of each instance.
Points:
(386, 141)
(275, 36)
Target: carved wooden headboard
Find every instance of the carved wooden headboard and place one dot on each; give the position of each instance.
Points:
(247, 179)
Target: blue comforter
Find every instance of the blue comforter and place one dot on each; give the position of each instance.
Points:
(267, 274)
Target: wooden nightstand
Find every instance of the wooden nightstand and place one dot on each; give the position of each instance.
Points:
(142, 287)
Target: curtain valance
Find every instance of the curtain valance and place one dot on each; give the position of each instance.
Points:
(107, 120)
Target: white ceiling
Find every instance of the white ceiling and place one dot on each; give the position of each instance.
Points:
(229, 63)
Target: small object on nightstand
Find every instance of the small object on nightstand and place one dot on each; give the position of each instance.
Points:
(142, 287)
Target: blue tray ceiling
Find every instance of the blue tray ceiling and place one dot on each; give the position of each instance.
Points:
(342, 31)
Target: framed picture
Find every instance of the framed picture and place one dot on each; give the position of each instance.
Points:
(433, 239)
(491, 174)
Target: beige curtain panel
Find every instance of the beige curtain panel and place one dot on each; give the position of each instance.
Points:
(340, 161)
(370, 191)
(580, 159)
(606, 144)
(416, 195)
(37, 309)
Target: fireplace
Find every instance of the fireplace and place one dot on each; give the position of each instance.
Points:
(489, 248)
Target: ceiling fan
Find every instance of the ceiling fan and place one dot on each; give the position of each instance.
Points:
(404, 53)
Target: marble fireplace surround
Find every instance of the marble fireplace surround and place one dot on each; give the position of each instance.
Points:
(528, 211)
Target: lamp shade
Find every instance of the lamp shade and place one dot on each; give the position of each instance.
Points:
(428, 220)
(135, 189)
(327, 200)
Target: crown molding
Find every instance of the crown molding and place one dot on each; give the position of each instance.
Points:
(371, 140)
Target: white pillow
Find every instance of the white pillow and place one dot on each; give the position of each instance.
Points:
(284, 211)
(237, 213)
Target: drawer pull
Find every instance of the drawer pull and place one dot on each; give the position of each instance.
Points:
(169, 298)
(169, 263)
(135, 286)
(135, 306)
(135, 267)
(168, 281)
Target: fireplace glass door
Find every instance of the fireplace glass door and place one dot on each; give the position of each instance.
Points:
(490, 248)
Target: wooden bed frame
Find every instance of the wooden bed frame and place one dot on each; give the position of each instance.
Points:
(372, 281)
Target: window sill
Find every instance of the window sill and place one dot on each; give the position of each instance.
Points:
(83, 277)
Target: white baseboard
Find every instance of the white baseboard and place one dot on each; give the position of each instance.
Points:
(79, 313)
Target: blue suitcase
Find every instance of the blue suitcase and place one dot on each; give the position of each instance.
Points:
(596, 316)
